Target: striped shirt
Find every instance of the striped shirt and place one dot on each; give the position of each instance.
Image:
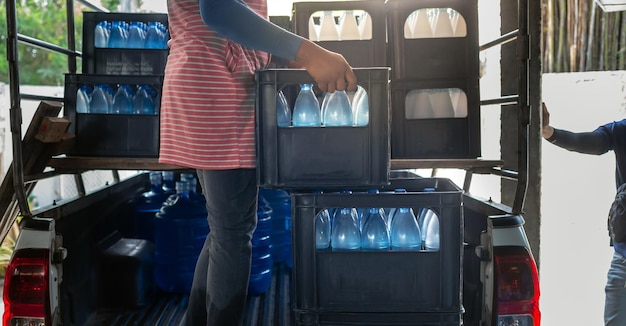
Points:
(208, 98)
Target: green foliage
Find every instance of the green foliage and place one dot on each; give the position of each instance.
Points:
(45, 20)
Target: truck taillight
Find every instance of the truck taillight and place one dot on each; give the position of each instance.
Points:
(26, 289)
(517, 287)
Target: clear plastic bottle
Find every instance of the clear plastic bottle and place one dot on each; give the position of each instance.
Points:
(337, 110)
(122, 100)
(430, 229)
(348, 28)
(360, 107)
(283, 112)
(328, 27)
(82, 99)
(404, 231)
(322, 230)
(345, 233)
(375, 235)
(306, 110)
(99, 100)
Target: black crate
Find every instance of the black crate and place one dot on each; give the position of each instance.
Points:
(120, 61)
(435, 138)
(433, 58)
(321, 157)
(379, 287)
(359, 53)
(112, 135)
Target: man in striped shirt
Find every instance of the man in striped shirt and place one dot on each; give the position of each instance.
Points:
(207, 123)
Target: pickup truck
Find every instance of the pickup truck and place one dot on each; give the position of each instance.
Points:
(60, 272)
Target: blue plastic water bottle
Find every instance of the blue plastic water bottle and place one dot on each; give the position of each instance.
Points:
(283, 112)
(144, 102)
(405, 232)
(337, 110)
(306, 112)
(136, 35)
(154, 36)
(430, 229)
(101, 35)
(99, 100)
(122, 100)
(118, 36)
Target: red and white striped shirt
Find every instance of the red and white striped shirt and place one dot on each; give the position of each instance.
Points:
(208, 97)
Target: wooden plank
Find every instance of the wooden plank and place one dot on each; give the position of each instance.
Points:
(110, 163)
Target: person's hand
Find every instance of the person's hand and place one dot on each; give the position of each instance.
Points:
(330, 70)
(546, 130)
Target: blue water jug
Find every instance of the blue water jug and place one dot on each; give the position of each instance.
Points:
(169, 185)
(306, 112)
(262, 262)
(147, 205)
(337, 110)
(181, 229)
(280, 201)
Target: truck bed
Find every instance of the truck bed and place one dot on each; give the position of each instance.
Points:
(271, 308)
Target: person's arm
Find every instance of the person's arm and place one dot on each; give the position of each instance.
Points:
(237, 22)
(593, 142)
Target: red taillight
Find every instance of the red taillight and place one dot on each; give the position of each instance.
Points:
(517, 287)
(26, 289)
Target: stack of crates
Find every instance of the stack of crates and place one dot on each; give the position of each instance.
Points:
(365, 287)
(116, 135)
(435, 78)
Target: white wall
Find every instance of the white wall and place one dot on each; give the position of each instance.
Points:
(577, 191)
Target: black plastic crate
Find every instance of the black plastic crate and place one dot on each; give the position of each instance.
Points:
(433, 58)
(390, 287)
(359, 53)
(112, 135)
(121, 61)
(443, 137)
(321, 157)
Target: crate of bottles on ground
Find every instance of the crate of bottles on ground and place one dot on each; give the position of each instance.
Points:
(356, 29)
(124, 43)
(114, 115)
(393, 249)
(310, 139)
